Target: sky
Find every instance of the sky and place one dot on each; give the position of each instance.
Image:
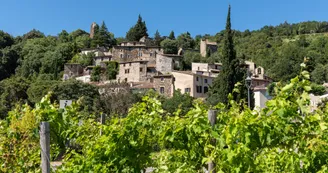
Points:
(195, 16)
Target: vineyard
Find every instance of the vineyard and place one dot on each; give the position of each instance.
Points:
(283, 137)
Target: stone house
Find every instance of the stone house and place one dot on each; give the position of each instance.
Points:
(100, 51)
(135, 71)
(258, 76)
(206, 45)
(164, 85)
(99, 60)
(135, 51)
(72, 70)
(166, 63)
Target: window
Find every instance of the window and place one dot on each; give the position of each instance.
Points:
(162, 79)
(141, 69)
(123, 65)
(127, 71)
(128, 56)
(121, 55)
(151, 54)
(161, 90)
(216, 67)
(205, 89)
(126, 79)
(102, 58)
(140, 53)
(187, 90)
(198, 68)
(205, 81)
(129, 64)
(198, 89)
(197, 78)
(259, 71)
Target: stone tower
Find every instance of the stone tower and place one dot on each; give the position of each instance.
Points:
(92, 29)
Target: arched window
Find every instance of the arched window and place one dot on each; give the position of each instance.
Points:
(259, 71)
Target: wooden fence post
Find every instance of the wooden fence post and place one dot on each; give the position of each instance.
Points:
(212, 119)
(102, 121)
(45, 146)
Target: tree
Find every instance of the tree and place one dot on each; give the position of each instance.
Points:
(172, 36)
(64, 37)
(184, 102)
(137, 31)
(157, 38)
(33, 34)
(95, 74)
(75, 90)
(170, 46)
(185, 41)
(112, 70)
(8, 61)
(102, 37)
(231, 72)
(5, 39)
(12, 91)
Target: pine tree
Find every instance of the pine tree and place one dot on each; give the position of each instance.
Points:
(157, 38)
(102, 37)
(137, 31)
(172, 36)
(231, 72)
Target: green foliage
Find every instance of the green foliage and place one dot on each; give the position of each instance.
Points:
(12, 91)
(138, 31)
(102, 38)
(74, 90)
(171, 36)
(189, 57)
(179, 101)
(318, 89)
(33, 34)
(157, 38)
(5, 39)
(8, 61)
(185, 41)
(84, 59)
(95, 74)
(170, 46)
(112, 70)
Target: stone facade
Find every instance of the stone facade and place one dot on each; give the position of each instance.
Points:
(98, 60)
(167, 63)
(134, 71)
(207, 45)
(163, 84)
(92, 29)
(135, 51)
(72, 70)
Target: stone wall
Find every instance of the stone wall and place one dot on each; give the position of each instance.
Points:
(72, 70)
(167, 63)
(135, 53)
(165, 82)
(132, 71)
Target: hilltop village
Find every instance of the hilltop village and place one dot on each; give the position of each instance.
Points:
(146, 67)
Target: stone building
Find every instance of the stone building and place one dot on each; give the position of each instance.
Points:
(100, 51)
(166, 63)
(258, 76)
(135, 71)
(99, 60)
(206, 45)
(163, 84)
(135, 51)
(72, 70)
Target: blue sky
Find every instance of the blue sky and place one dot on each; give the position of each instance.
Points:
(196, 16)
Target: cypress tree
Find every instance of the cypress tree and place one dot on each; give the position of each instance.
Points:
(231, 72)
(172, 36)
